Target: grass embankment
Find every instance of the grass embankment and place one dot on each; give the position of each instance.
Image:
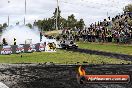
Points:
(107, 47)
(53, 33)
(59, 57)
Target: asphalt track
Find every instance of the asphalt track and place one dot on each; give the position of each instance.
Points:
(109, 54)
(57, 76)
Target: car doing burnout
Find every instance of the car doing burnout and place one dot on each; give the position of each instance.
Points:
(68, 44)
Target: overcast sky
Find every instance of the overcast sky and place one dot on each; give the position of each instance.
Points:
(89, 10)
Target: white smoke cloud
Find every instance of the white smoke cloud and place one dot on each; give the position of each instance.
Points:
(21, 33)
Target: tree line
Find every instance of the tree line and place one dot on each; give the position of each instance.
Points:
(49, 24)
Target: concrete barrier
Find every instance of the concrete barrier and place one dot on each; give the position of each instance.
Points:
(29, 48)
(14, 49)
(5, 50)
(40, 47)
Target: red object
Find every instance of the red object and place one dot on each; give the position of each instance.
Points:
(107, 78)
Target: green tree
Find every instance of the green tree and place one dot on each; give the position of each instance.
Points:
(128, 8)
(1, 27)
(38, 23)
(80, 24)
(60, 19)
(29, 25)
(71, 22)
(5, 25)
(49, 24)
(45, 24)
(63, 23)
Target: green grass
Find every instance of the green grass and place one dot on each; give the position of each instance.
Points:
(60, 57)
(107, 47)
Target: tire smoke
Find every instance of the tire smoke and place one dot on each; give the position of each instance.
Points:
(21, 33)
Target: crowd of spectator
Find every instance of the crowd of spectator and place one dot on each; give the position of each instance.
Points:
(117, 29)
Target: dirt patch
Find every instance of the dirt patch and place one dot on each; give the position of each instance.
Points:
(57, 76)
